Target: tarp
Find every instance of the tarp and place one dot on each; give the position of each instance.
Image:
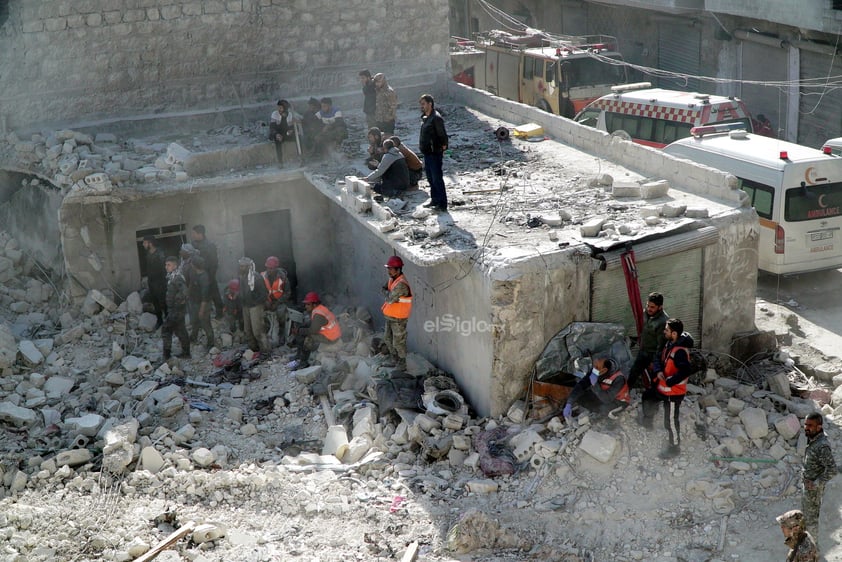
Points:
(575, 341)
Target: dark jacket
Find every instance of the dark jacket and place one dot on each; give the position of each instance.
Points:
(156, 273)
(652, 338)
(252, 297)
(392, 174)
(433, 137)
(819, 464)
(207, 249)
(369, 98)
(200, 290)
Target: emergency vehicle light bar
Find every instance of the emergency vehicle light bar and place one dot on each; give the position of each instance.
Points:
(709, 129)
(619, 89)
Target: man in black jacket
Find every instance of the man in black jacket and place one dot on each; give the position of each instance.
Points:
(156, 278)
(208, 251)
(433, 143)
(369, 97)
(176, 307)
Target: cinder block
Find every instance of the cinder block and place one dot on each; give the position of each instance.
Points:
(755, 422)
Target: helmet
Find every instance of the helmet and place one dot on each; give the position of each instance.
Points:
(234, 285)
(188, 249)
(394, 261)
(312, 298)
(272, 262)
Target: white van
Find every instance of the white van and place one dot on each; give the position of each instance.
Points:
(833, 146)
(656, 117)
(796, 191)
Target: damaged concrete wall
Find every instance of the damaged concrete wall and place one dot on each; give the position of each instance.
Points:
(28, 208)
(99, 231)
(100, 59)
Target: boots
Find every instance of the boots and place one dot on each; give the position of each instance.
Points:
(400, 364)
(670, 452)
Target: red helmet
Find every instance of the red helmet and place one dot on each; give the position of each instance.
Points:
(272, 262)
(312, 298)
(234, 285)
(394, 261)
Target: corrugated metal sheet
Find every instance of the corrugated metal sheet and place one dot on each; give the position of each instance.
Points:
(679, 50)
(820, 109)
(762, 63)
(678, 277)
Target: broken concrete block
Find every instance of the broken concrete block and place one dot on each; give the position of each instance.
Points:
(142, 390)
(134, 304)
(8, 347)
(19, 307)
(381, 212)
(16, 415)
(308, 375)
(598, 445)
(364, 420)
(523, 444)
(788, 426)
(18, 482)
(755, 422)
(426, 423)
(652, 221)
(87, 425)
(90, 307)
(735, 406)
(777, 452)
(102, 300)
(238, 391)
(131, 363)
(151, 460)
(98, 182)
(591, 228)
(336, 441)
(44, 345)
(58, 387)
(248, 430)
(481, 486)
(30, 354)
(73, 457)
(697, 213)
(208, 532)
(147, 322)
(619, 190)
(654, 189)
(203, 457)
(357, 448)
(672, 210)
(176, 154)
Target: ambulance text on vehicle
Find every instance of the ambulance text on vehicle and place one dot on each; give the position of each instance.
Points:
(796, 191)
(559, 74)
(657, 117)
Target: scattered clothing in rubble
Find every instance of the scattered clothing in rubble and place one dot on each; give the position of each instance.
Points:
(495, 457)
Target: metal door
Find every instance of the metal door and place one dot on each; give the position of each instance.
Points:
(269, 234)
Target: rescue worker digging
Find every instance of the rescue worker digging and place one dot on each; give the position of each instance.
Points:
(601, 391)
(323, 328)
(672, 370)
(396, 311)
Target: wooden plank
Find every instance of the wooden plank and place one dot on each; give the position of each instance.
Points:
(174, 537)
(411, 553)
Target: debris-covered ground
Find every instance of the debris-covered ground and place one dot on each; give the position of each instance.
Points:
(106, 452)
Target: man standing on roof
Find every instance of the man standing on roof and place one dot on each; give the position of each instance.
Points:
(432, 143)
(672, 370)
(396, 311)
(651, 339)
(386, 108)
(369, 97)
(323, 328)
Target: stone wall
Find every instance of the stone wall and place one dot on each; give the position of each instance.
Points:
(65, 61)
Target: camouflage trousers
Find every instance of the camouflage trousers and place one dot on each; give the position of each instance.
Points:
(811, 504)
(394, 336)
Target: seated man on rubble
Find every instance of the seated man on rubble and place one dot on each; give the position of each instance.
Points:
(391, 178)
(602, 390)
(322, 328)
(331, 130)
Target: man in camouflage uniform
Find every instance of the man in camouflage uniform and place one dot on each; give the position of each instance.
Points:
(396, 311)
(819, 468)
(802, 547)
(176, 306)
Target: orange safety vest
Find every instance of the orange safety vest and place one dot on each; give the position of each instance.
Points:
(331, 330)
(669, 370)
(275, 288)
(623, 395)
(403, 307)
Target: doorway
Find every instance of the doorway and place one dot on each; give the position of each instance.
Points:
(270, 234)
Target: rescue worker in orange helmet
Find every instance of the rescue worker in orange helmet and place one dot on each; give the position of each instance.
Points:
(600, 391)
(322, 328)
(277, 286)
(396, 311)
(672, 368)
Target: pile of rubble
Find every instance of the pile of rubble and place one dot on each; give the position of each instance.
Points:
(257, 463)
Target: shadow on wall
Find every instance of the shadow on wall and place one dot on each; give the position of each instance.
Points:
(29, 212)
(4, 11)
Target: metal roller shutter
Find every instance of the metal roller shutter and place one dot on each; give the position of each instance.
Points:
(820, 110)
(679, 50)
(765, 64)
(671, 266)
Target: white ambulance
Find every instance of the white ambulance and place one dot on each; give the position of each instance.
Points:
(657, 117)
(796, 191)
